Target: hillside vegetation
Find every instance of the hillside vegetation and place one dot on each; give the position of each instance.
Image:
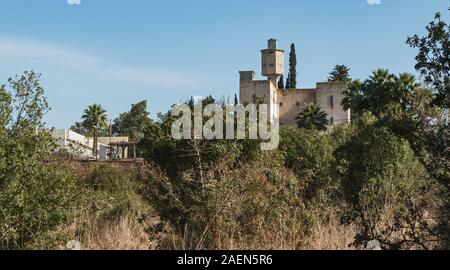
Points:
(385, 176)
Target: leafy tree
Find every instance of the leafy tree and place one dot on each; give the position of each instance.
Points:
(281, 82)
(433, 59)
(340, 73)
(406, 109)
(95, 118)
(292, 78)
(35, 197)
(133, 123)
(309, 153)
(430, 139)
(312, 117)
(386, 187)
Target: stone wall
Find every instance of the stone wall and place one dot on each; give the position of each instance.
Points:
(329, 96)
(291, 102)
(252, 90)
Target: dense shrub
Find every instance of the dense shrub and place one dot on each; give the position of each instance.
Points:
(35, 197)
(309, 153)
(389, 193)
(255, 205)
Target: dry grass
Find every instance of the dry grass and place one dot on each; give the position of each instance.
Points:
(331, 236)
(124, 233)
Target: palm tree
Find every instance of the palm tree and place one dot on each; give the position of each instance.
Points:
(95, 117)
(312, 117)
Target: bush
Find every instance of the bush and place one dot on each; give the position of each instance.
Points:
(309, 153)
(389, 193)
(255, 205)
(35, 197)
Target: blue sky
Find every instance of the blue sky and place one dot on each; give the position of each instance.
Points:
(118, 52)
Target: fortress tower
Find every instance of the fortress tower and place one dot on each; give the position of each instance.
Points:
(272, 61)
(285, 104)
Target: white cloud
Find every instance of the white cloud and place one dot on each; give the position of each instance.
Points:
(38, 53)
(74, 2)
(374, 2)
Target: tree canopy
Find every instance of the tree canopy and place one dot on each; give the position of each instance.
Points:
(312, 117)
(340, 73)
(292, 78)
(133, 123)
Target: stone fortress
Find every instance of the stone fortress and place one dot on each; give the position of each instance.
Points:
(285, 104)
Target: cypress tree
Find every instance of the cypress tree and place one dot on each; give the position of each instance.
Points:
(288, 82)
(281, 82)
(292, 68)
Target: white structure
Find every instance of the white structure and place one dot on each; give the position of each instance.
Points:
(77, 144)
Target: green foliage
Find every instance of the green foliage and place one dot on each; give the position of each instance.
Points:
(114, 192)
(430, 139)
(381, 90)
(388, 191)
(230, 210)
(34, 196)
(95, 117)
(132, 123)
(433, 59)
(312, 117)
(309, 154)
(407, 109)
(292, 78)
(79, 128)
(340, 73)
(288, 82)
(281, 82)
(173, 155)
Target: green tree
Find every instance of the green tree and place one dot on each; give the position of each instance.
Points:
(340, 73)
(288, 82)
(312, 117)
(95, 118)
(430, 139)
(380, 91)
(133, 123)
(281, 82)
(35, 197)
(292, 68)
(309, 154)
(433, 59)
(387, 189)
(79, 128)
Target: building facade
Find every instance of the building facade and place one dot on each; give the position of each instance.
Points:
(285, 104)
(79, 146)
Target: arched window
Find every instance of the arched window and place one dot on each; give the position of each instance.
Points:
(332, 102)
(331, 121)
(254, 99)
